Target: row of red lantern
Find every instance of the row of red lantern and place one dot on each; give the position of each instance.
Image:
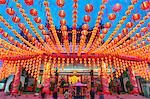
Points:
(95, 29)
(104, 46)
(52, 27)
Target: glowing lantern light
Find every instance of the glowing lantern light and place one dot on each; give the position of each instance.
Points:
(29, 2)
(107, 25)
(148, 24)
(143, 43)
(112, 16)
(29, 36)
(129, 24)
(5, 34)
(16, 19)
(124, 30)
(75, 5)
(41, 27)
(138, 35)
(101, 36)
(134, 1)
(2, 1)
(87, 18)
(104, 31)
(60, 3)
(37, 20)
(25, 31)
(1, 30)
(89, 8)
(119, 36)
(11, 39)
(117, 7)
(46, 3)
(63, 22)
(136, 17)
(144, 29)
(85, 27)
(145, 5)
(33, 12)
(21, 25)
(148, 39)
(44, 32)
(62, 13)
(10, 11)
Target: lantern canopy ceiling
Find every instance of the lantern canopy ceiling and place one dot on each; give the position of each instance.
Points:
(78, 27)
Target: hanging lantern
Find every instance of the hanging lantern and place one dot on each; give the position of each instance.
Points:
(1, 30)
(148, 24)
(89, 8)
(125, 31)
(119, 36)
(134, 1)
(29, 2)
(2, 1)
(29, 35)
(10, 38)
(60, 3)
(138, 35)
(148, 39)
(102, 36)
(25, 31)
(104, 31)
(75, 6)
(41, 26)
(117, 7)
(85, 27)
(37, 20)
(143, 43)
(10, 11)
(62, 13)
(21, 25)
(87, 18)
(5, 34)
(129, 24)
(112, 16)
(145, 5)
(44, 32)
(63, 22)
(16, 19)
(136, 17)
(33, 12)
(107, 25)
(144, 29)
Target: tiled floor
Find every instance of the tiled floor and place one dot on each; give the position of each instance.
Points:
(31, 96)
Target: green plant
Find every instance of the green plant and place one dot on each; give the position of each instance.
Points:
(129, 86)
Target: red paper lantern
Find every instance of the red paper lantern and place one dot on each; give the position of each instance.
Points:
(112, 16)
(148, 24)
(134, 1)
(21, 25)
(75, 6)
(89, 8)
(15, 42)
(29, 36)
(44, 32)
(37, 20)
(129, 24)
(85, 27)
(29, 2)
(143, 43)
(41, 27)
(87, 18)
(104, 31)
(119, 36)
(107, 25)
(125, 31)
(5, 34)
(104, 1)
(145, 5)
(138, 35)
(46, 3)
(148, 39)
(1, 30)
(33, 12)
(10, 38)
(117, 7)
(144, 29)
(75, 1)
(102, 36)
(63, 28)
(16, 19)
(2, 1)
(60, 3)
(63, 22)
(25, 31)
(136, 17)
(62, 13)
(10, 11)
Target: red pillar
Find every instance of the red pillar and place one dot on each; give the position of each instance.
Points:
(105, 84)
(16, 81)
(47, 85)
(133, 82)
